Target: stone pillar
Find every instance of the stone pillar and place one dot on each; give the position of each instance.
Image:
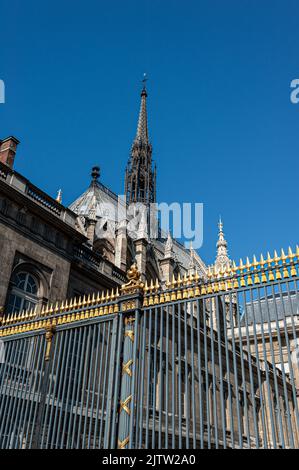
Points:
(168, 262)
(140, 250)
(121, 248)
(167, 267)
(91, 230)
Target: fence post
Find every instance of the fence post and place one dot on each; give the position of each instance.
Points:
(131, 303)
(49, 334)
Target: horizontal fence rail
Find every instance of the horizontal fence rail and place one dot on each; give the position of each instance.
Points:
(199, 363)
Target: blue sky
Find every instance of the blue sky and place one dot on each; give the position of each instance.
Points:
(222, 125)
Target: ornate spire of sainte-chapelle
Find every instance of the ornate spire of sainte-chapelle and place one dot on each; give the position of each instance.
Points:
(222, 259)
(140, 178)
(142, 129)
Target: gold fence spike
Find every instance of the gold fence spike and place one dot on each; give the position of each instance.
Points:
(276, 257)
(291, 255)
(283, 256)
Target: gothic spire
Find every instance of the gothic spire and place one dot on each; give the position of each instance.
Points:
(222, 259)
(140, 178)
(142, 131)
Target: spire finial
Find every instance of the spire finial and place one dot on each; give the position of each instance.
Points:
(222, 258)
(95, 174)
(59, 196)
(144, 80)
(220, 224)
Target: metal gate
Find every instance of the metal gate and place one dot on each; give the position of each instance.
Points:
(196, 364)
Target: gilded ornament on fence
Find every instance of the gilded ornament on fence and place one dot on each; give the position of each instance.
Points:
(134, 284)
(50, 331)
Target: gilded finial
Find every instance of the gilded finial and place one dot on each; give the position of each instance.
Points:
(59, 196)
(134, 280)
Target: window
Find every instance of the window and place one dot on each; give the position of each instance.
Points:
(23, 293)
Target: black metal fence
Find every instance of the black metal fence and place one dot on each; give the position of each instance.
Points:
(196, 364)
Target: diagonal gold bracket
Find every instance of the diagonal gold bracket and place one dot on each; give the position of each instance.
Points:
(126, 368)
(122, 444)
(130, 334)
(124, 405)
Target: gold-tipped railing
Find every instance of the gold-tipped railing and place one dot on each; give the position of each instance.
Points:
(244, 275)
(60, 313)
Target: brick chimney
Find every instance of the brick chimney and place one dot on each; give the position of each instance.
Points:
(8, 148)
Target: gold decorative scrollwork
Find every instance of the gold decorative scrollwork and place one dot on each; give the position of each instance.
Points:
(122, 444)
(130, 334)
(124, 405)
(126, 368)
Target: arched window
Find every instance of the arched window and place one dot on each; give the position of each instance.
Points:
(23, 293)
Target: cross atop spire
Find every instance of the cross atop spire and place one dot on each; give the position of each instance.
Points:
(222, 259)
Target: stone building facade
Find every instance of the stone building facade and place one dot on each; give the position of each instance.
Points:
(50, 252)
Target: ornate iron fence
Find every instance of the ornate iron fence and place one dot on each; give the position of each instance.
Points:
(196, 364)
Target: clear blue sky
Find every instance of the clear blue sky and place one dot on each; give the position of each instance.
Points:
(222, 125)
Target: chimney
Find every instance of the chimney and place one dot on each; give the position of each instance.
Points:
(8, 148)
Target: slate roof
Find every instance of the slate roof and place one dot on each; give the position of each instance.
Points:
(105, 202)
(272, 308)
